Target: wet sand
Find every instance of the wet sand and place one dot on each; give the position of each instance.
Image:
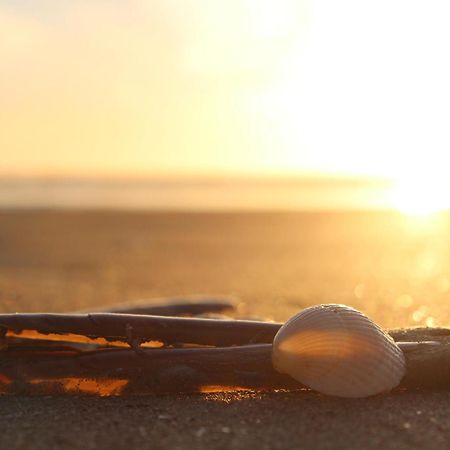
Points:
(396, 269)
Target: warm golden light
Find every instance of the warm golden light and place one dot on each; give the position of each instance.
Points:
(421, 195)
(92, 386)
(108, 88)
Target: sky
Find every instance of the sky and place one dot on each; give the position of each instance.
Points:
(180, 87)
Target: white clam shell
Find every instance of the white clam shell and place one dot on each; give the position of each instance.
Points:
(337, 350)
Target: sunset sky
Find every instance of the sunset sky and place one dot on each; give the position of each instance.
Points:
(238, 86)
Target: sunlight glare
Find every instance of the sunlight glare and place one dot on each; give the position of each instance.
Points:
(421, 195)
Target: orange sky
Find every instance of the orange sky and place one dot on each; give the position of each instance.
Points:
(246, 86)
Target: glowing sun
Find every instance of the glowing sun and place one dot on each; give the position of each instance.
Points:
(421, 195)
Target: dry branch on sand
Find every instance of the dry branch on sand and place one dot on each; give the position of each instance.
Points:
(126, 327)
(240, 358)
(190, 305)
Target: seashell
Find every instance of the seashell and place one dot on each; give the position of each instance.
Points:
(337, 350)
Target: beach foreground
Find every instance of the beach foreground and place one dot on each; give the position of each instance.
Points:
(407, 420)
(394, 268)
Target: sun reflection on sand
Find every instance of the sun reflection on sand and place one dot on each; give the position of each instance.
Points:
(92, 386)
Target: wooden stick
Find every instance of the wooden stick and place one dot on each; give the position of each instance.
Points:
(428, 366)
(172, 306)
(129, 327)
(188, 370)
(170, 330)
(155, 371)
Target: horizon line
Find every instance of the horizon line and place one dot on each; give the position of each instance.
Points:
(290, 178)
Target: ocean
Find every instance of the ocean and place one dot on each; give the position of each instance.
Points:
(203, 194)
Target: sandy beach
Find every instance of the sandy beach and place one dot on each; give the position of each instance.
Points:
(274, 155)
(394, 268)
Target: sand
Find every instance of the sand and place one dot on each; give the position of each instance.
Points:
(394, 268)
(397, 421)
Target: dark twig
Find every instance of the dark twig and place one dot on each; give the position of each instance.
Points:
(163, 370)
(170, 330)
(187, 370)
(172, 306)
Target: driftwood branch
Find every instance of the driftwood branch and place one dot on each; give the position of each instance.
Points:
(191, 305)
(155, 371)
(200, 369)
(170, 330)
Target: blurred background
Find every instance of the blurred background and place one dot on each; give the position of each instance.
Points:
(285, 152)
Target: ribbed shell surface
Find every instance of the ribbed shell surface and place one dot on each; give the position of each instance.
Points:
(337, 350)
